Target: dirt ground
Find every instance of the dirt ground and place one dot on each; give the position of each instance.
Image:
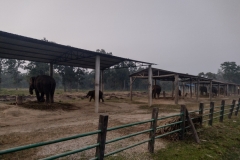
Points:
(73, 114)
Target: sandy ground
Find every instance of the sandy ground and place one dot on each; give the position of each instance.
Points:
(73, 114)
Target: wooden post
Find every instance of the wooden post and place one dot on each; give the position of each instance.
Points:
(197, 92)
(218, 90)
(210, 122)
(201, 108)
(231, 109)
(189, 119)
(153, 132)
(176, 85)
(227, 94)
(172, 88)
(149, 85)
(191, 87)
(19, 100)
(222, 111)
(210, 91)
(97, 77)
(102, 125)
(164, 94)
(51, 69)
(131, 83)
(183, 119)
(238, 105)
(101, 80)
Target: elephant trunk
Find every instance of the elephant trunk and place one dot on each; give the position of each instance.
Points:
(30, 90)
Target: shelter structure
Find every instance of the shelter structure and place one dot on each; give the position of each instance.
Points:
(177, 79)
(14, 46)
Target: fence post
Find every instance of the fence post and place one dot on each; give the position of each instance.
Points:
(210, 122)
(102, 125)
(201, 108)
(238, 105)
(152, 133)
(183, 119)
(231, 109)
(222, 111)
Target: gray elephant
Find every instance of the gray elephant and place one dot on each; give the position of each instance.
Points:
(91, 94)
(43, 84)
(156, 90)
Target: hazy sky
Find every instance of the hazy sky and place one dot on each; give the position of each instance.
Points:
(185, 36)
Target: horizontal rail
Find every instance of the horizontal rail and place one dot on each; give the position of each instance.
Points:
(169, 124)
(206, 114)
(129, 125)
(226, 114)
(71, 152)
(216, 117)
(217, 106)
(206, 120)
(122, 149)
(175, 115)
(217, 111)
(47, 142)
(128, 136)
(194, 111)
(165, 134)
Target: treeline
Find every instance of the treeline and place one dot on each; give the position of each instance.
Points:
(75, 78)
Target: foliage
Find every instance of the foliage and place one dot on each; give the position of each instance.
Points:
(231, 71)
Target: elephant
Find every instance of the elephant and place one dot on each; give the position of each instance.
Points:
(203, 89)
(45, 85)
(156, 89)
(214, 91)
(92, 95)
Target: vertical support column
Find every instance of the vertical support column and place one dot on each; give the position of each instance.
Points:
(149, 85)
(172, 88)
(227, 94)
(183, 84)
(153, 132)
(210, 91)
(191, 87)
(97, 77)
(210, 122)
(197, 92)
(218, 90)
(222, 111)
(51, 69)
(176, 85)
(155, 82)
(101, 80)
(131, 83)
(201, 108)
(102, 125)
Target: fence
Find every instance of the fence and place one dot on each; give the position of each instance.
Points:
(214, 113)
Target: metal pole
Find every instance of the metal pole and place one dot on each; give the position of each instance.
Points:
(97, 77)
(131, 81)
(176, 88)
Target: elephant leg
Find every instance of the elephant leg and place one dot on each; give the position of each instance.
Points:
(42, 97)
(38, 96)
(90, 99)
(52, 97)
(47, 97)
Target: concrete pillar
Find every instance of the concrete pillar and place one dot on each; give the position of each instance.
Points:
(197, 90)
(149, 85)
(176, 85)
(51, 69)
(210, 91)
(97, 78)
(131, 83)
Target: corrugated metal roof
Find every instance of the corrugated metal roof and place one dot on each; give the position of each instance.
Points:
(14, 46)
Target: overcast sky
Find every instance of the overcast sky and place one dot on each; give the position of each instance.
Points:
(185, 36)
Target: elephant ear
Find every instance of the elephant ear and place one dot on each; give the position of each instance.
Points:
(32, 79)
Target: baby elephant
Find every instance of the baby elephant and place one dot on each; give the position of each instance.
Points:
(92, 95)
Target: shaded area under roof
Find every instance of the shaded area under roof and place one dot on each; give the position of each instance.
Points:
(14, 46)
(165, 75)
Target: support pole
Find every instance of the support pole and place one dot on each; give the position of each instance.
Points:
(172, 88)
(183, 84)
(197, 92)
(191, 87)
(101, 80)
(218, 90)
(227, 90)
(176, 85)
(131, 83)
(149, 85)
(210, 91)
(153, 132)
(51, 69)
(97, 77)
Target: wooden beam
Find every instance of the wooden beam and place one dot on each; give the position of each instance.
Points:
(149, 85)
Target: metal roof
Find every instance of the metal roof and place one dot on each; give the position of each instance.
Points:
(14, 46)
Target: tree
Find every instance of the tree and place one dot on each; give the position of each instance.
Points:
(231, 72)
(37, 68)
(12, 66)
